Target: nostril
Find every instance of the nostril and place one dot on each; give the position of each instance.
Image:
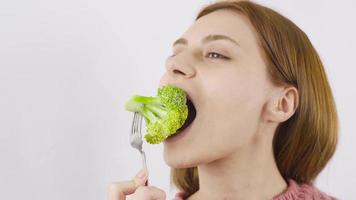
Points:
(176, 71)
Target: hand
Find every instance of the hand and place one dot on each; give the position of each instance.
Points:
(136, 187)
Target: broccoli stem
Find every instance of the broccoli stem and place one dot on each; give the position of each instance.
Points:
(150, 107)
(134, 106)
(147, 100)
(149, 116)
(159, 110)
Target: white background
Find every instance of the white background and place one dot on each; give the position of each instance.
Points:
(67, 67)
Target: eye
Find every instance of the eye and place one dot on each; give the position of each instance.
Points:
(216, 55)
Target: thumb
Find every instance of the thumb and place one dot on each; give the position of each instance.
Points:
(119, 190)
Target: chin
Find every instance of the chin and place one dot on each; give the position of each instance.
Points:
(179, 159)
(186, 158)
(174, 159)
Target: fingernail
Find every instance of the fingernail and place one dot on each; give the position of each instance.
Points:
(142, 174)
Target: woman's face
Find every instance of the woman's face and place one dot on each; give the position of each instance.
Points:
(227, 82)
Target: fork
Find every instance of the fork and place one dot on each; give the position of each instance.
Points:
(136, 138)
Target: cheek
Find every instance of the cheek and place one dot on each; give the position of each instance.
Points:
(232, 109)
(234, 94)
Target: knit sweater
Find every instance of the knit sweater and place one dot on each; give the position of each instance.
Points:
(294, 191)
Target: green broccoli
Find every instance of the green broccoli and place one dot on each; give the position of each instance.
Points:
(163, 114)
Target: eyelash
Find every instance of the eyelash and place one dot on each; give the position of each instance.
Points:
(209, 53)
(221, 56)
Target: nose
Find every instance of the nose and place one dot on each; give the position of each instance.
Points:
(180, 66)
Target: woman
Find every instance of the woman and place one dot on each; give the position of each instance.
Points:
(266, 122)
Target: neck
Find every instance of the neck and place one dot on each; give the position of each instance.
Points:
(248, 173)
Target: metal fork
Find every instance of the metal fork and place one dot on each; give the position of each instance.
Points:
(136, 138)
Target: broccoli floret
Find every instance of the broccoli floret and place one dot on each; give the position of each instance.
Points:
(164, 114)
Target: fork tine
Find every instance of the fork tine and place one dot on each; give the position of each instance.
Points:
(140, 123)
(133, 124)
(136, 123)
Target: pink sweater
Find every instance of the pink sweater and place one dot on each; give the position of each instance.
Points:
(294, 191)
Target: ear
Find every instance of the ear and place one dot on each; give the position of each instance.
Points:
(282, 105)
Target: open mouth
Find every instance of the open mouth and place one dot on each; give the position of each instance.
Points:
(191, 115)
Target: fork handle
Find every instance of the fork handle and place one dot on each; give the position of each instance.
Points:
(144, 164)
(143, 155)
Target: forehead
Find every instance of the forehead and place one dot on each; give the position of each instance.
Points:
(222, 22)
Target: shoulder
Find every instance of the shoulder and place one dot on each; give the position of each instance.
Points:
(303, 191)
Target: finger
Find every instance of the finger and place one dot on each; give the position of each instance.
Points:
(119, 190)
(149, 193)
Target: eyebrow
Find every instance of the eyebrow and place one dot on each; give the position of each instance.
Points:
(207, 39)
